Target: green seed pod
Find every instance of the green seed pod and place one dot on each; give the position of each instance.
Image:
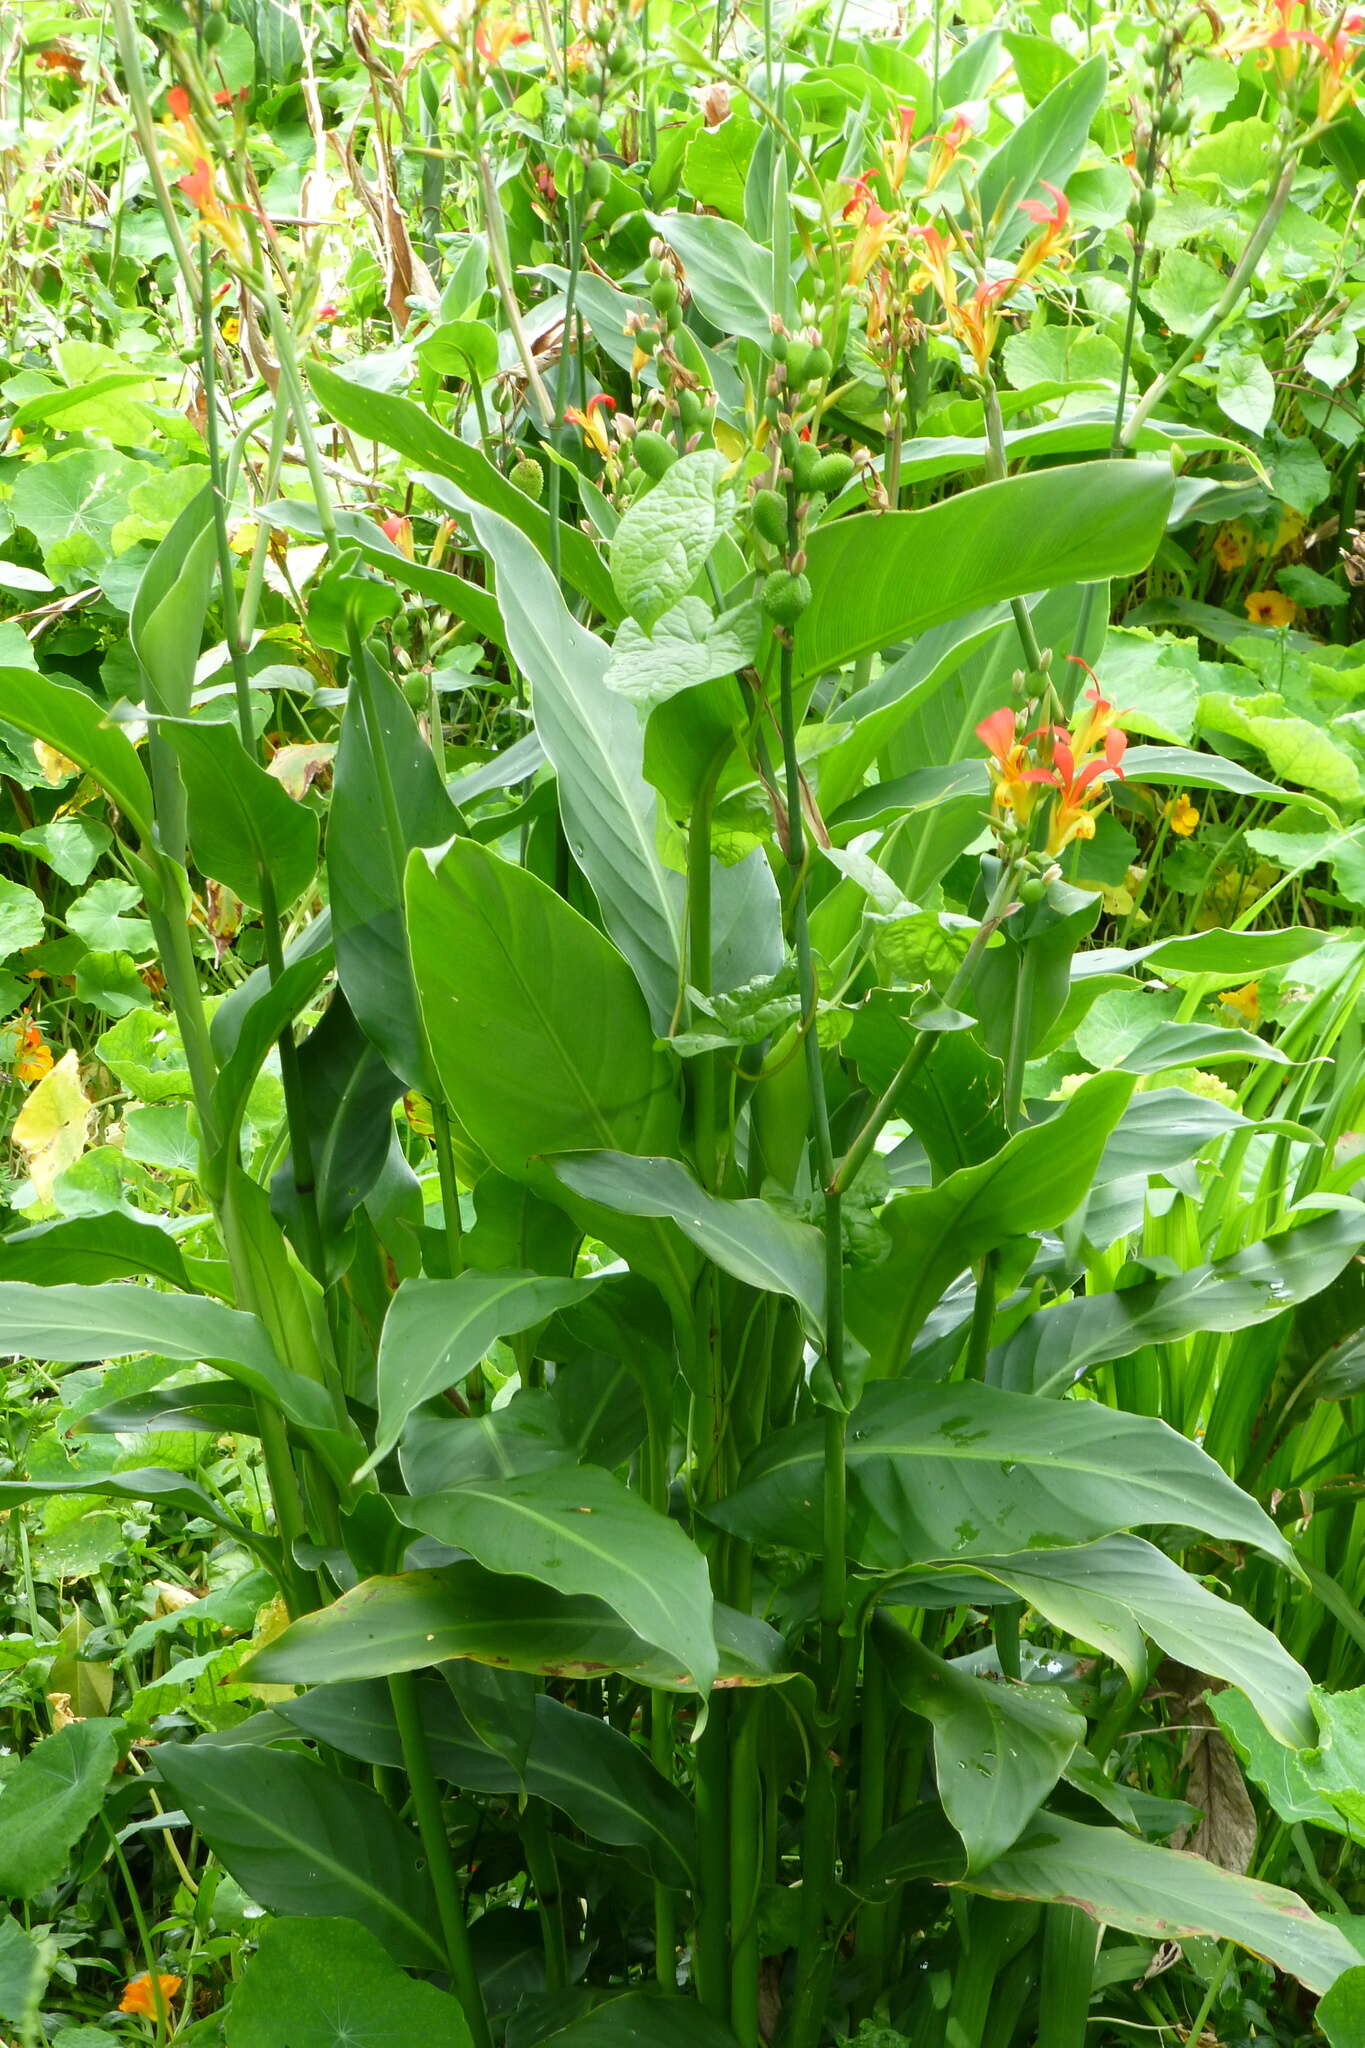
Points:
(831, 473)
(1183, 121)
(654, 454)
(818, 366)
(691, 410)
(663, 293)
(597, 178)
(768, 510)
(798, 357)
(777, 348)
(785, 596)
(805, 462)
(528, 476)
(618, 57)
(653, 269)
(1032, 889)
(417, 690)
(215, 28)
(646, 339)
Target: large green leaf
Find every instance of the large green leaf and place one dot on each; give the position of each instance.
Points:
(347, 1094)
(666, 536)
(1105, 1592)
(585, 1767)
(257, 1027)
(319, 1983)
(595, 744)
(580, 1531)
(49, 1800)
(146, 1482)
(243, 823)
(1341, 2014)
(78, 1325)
(965, 1469)
(751, 1239)
(437, 1331)
(727, 274)
(1046, 144)
(912, 570)
(412, 433)
(367, 852)
(540, 1034)
(302, 1840)
(999, 1746)
(1165, 1895)
(166, 624)
(643, 2019)
(1032, 1183)
(1053, 1348)
(413, 1619)
(76, 724)
(112, 1246)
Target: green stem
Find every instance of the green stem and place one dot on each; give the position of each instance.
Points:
(426, 1800)
(712, 1799)
(746, 1870)
(543, 1867)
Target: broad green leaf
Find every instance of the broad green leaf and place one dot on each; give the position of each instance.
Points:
(596, 747)
(456, 594)
(1200, 1045)
(110, 983)
(71, 504)
(243, 824)
(726, 273)
(1185, 292)
(1190, 770)
(437, 1331)
(99, 916)
(580, 1531)
(1235, 159)
(1103, 1593)
(502, 961)
(1056, 1346)
(643, 2019)
(999, 1746)
(347, 1094)
(1246, 391)
(413, 434)
(74, 722)
(71, 846)
(151, 1482)
(1331, 357)
(367, 853)
(602, 1780)
(914, 570)
(319, 1983)
(413, 1619)
(963, 1470)
(114, 1246)
(1296, 749)
(243, 1039)
(716, 163)
(1341, 2014)
(302, 1840)
(1033, 1183)
(24, 1970)
(166, 624)
(49, 1800)
(21, 918)
(662, 544)
(1280, 1773)
(74, 1325)
(1047, 143)
(1166, 1895)
(751, 1239)
(689, 645)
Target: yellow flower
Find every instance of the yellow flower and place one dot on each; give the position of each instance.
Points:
(1245, 1001)
(138, 1996)
(1182, 816)
(1232, 545)
(1271, 608)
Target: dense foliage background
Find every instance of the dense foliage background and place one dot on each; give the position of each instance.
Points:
(682, 840)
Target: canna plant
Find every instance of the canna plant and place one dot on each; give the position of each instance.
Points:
(751, 1437)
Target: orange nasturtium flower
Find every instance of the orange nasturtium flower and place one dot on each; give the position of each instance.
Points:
(1182, 816)
(1271, 608)
(138, 1996)
(1232, 545)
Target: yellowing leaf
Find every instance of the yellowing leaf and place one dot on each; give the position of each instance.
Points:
(56, 767)
(50, 1130)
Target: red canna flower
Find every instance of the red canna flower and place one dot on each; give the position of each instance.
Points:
(398, 529)
(1055, 221)
(197, 185)
(178, 103)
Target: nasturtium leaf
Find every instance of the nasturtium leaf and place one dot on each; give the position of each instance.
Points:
(663, 542)
(1296, 749)
(71, 502)
(49, 1800)
(51, 1128)
(111, 983)
(1185, 292)
(24, 1967)
(100, 917)
(1246, 391)
(320, 1983)
(1235, 160)
(21, 918)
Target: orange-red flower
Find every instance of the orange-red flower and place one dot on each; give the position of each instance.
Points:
(896, 152)
(1009, 752)
(1271, 608)
(1052, 246)
(494, 39)
(138, 1996)
(593, 429)
(874, 228)
(1291, 49)
(1051, 757)
(944, 150)
(398, 529)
